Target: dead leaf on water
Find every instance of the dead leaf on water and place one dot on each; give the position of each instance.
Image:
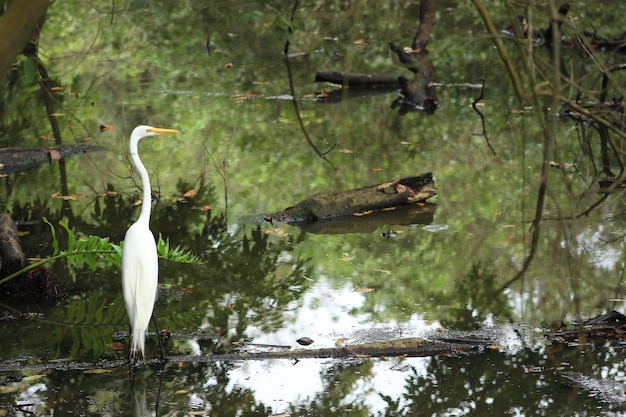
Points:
(190, 194)
(496, 347)
(346, 257)
(31, 378)
(75, 196)
(384, 271)
(8, 389)
(106, 128)
(97, 371)
(243, 97)
(276, 231)
(345, 150)
(376, 170)
(54, 155)
(363, 289)
(205, 207)
(339, 341)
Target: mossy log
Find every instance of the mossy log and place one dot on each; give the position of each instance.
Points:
(19, 159)
(396, 193)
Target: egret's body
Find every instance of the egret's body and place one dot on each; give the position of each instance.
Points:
(140, 269)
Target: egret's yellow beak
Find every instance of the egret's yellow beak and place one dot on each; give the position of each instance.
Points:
(160, 130)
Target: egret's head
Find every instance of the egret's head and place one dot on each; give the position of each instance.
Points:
(142, 131)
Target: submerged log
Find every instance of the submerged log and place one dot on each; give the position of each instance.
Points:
(356, 80)
(415, 214)
(19, 159)
(397, 193)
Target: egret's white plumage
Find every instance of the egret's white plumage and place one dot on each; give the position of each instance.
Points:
(140, 269)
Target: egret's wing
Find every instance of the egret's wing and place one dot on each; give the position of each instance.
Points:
(140, 273)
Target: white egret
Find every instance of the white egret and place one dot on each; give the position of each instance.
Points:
(140, 270)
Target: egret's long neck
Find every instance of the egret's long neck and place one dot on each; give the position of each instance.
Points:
(146, 204)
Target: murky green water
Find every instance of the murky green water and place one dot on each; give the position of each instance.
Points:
(242, 150)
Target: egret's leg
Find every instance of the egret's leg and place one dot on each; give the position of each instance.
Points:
(158, 333)
(130, 331)
(132, 365)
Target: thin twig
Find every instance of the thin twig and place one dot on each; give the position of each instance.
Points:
(293, 95)
(482, 117)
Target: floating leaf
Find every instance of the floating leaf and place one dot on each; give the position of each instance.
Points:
(76, 196)
(97, 371)
(277, 231)
(54, 155)
(190, 194)
(32, 378)
(363, 289)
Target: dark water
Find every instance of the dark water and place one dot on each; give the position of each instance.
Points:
(242, 150)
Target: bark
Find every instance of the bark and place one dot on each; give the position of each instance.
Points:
(33, 286)
(12, 255)
(19, 159)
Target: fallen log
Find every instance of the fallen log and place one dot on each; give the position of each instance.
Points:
(396, 193)
(19, 159)
(409, 347)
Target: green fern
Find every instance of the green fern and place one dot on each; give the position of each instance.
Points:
(91, 323)
(177, 254)
(93, 249)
